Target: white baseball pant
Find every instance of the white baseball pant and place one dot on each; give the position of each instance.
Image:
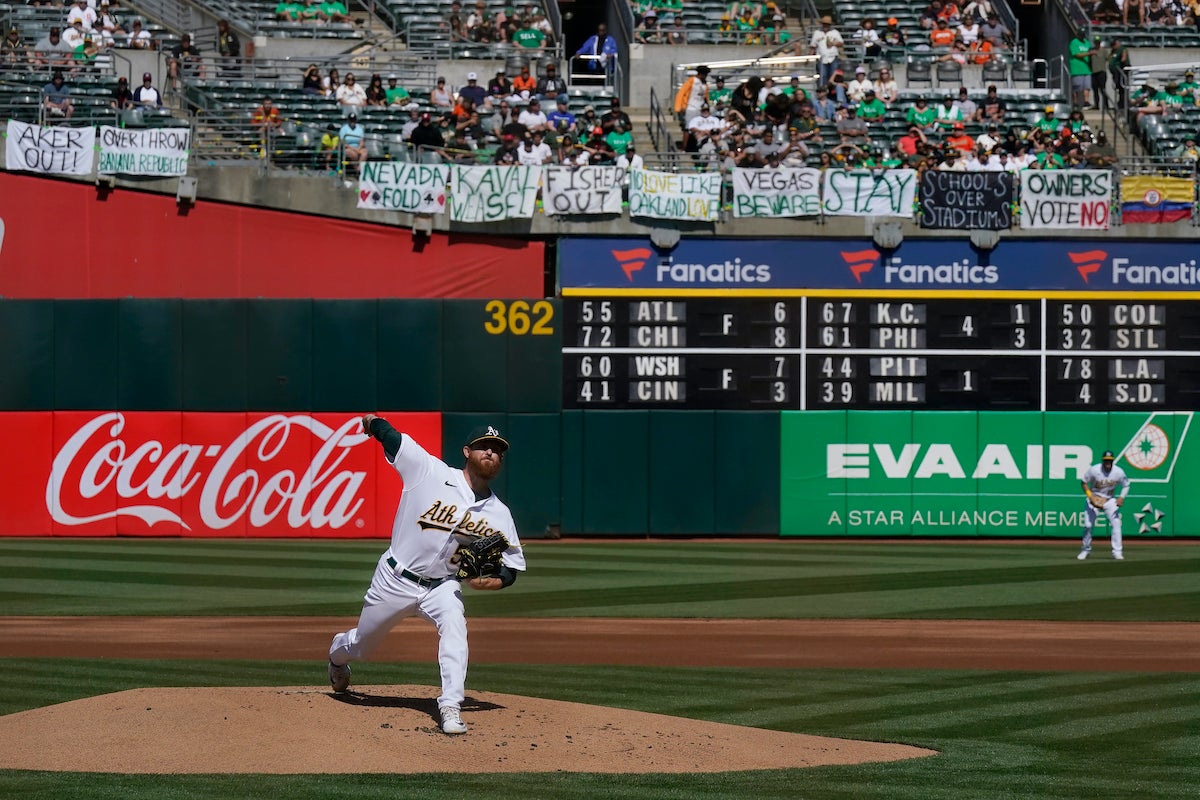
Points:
(1113, 513)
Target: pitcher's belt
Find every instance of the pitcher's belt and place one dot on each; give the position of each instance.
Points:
(419, 580)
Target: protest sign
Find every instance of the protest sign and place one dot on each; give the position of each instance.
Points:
(488, 194)
(396, 186)
(63, 151)
(151, 151)
(966, 201)
(783, 192)
(669, 195)
(582, 190)
(864, 193)
(1075, 198)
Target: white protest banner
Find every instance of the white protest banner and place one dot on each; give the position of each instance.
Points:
(669, 195)
(64, 151)
(864, 193)
(150, 151)
(783, 192)
(487, 194)
(1075, 198)
(396, 186)
(582, 190)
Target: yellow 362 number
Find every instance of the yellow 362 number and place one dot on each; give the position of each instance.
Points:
(519, 318)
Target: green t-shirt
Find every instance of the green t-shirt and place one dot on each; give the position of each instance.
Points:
(719, 95)
(529, 37)
(921, 116)
(1186, 88)
(669, 5)
(398, 95)
(1080, 64)
(871, 109)
(1048, 124)
(80, 55)
(1167, 99)
(1049, 160)
(332, 8)
(619, 141)
(290, 10)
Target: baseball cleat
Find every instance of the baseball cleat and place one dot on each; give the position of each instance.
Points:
(339, 676)
(1118, 557)
(1082, 555)
(452, 721)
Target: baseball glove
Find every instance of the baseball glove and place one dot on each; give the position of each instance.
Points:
(480, 558)
(1097, 501)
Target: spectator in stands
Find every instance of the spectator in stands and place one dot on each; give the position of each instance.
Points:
(376, 94)
(950, 13)
(851, 129)
(692, 94)
(108, 28)
(524, 85)
(868, 38)
(966, 105)
(146, 96)
(474, 92)
(837, 89)
(458, 33)
(599, 51)
(630, 159)
(1158, 14)
(857, 89)
(72, 35)
(12, 48)
(508, 153)
(533, 151)
(139, 39)
(185, 61)
(87, 51)
(82, 12)
(561, 120)
(675, 32)
(930, 15)
(949, 113)
(795, 150)
(289, 10)
(600, 152)
(886, 88)
(619, 137)
(503, 121)
(333, 11)
(353, 138)
(826, 44)
(978, 11)
(871, 109)
(1079, 64)
(1135, 9)
(332, 82)
(614, 115)
(923, 115)
(893, 34)
(229, 48)
(911, 142)
(942, 37)
(647, 31)
(476, 21)
(989, 138)
(951, 161)
(745, 156)
(959, 139)
(992, 109)
(51, 50)
(528, 36)
(121, 98)
(350, 97)
(701, 129)
(266, 119)
(550, 85)
(587, 121)
(747, 23)
(426, 134)
(440, 97)
(532, 116)
(824, 108)
(774, 25)
(310, 84)
(56, 97)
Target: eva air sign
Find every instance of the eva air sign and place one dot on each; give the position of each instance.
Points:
(943, 473)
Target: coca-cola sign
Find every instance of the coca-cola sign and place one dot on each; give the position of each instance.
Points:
(197, 474)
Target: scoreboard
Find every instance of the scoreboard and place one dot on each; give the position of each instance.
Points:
(815, 352)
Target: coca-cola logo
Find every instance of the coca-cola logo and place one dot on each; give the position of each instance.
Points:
(254, 475)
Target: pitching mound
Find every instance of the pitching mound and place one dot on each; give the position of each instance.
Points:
(390, 729)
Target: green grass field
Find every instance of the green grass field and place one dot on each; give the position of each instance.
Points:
(1001, 734)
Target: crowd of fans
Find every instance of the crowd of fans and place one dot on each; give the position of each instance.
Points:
(1143, 13)
(314, 12)
(753, 23)
(526, 27)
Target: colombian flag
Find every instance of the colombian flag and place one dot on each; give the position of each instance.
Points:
(1154, 198)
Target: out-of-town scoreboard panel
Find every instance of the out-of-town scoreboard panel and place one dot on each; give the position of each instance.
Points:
(816, 352)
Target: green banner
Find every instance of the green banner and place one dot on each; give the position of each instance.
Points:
(988, 473)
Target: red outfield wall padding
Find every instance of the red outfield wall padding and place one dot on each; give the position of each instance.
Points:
(61, 240)
(171, 473)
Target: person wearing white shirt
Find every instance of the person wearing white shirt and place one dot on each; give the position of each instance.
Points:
(857, 89)
(73, 35)
(81, 12)
(952, 162)
(139, 39)
(534, 151)
(629, 160)
(826, 44)
(971, 162)
(988, 139)
(350, 95)
(868, 37)
(705, 122)
(532, 116)
(886, 88)
(968, 32)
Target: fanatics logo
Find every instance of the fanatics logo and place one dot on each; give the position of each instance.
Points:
(1087, 262)
(860, 262)
(631, 260)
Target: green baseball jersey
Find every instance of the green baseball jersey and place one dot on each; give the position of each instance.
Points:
(872, 109)
(529, 37)
(921, 116)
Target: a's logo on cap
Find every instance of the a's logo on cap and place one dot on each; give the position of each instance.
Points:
(492, 431)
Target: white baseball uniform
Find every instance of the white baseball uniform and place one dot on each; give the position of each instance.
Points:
(1110, 484)
(438, 510)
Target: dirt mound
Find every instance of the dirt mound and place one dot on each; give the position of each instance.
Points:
(392, 729)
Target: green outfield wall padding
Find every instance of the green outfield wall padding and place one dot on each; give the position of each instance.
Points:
(682, 467)
(85, 354)
(571, 460)
(149, 355)
(746, 473)
(343, 355)
(214, 355)
(616, 478)
(534, 490)
(474, 362)
(535, 357)
(27, 355)
(279, 355)
(409, 355)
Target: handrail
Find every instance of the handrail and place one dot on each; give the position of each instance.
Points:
(660, 132)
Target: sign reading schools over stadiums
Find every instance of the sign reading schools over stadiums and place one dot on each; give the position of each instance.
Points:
(889, 473)
(398, 186)
(582, 190)
(490, 194)
(865, 193)
(966, 200)
(728, 265)
(782, 192)
(670, 195)
(1073, 198)
(58, 150)
(148, 151)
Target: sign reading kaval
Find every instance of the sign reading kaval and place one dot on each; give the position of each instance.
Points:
(393, 186)
(863, 193)
(59, 150)
(783, 192)
(152, 151)
(966, 200)
(669, 195)
(582, 190)
(1077, 198)
(489, 194)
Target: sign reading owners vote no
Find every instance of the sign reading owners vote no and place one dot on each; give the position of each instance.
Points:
(1077, 198)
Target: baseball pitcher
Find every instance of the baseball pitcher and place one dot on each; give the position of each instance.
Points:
(1105, 485)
